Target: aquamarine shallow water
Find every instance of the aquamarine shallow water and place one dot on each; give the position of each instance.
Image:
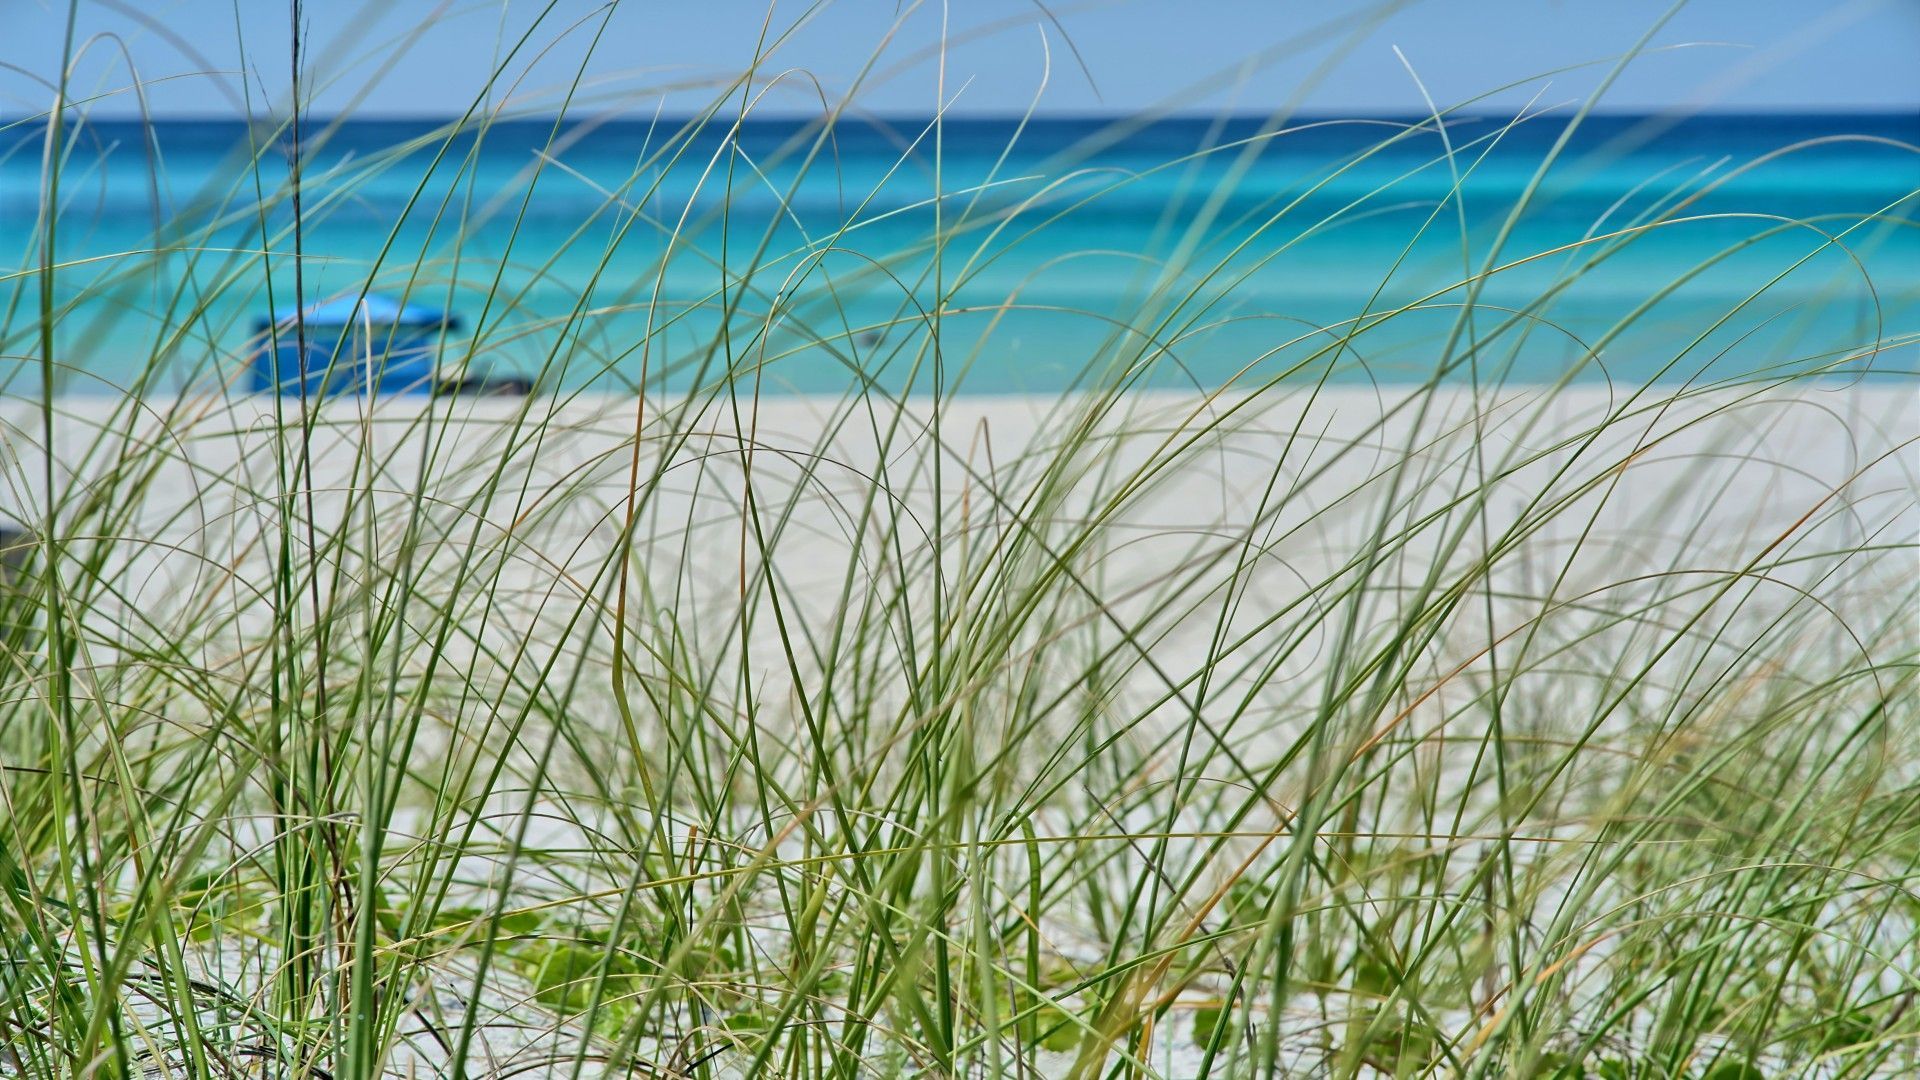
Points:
(1059, 253)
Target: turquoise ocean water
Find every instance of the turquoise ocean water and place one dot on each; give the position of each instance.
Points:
(1038, 256)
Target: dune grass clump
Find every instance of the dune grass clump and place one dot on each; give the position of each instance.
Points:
(1477, 723)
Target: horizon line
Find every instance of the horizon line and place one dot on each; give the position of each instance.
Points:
(1876, 112)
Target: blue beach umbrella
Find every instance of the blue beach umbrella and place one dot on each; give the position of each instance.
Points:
(373, 344)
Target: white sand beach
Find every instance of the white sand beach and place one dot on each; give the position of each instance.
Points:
(1711, 482)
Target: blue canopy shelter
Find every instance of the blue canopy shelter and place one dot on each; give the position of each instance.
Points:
(370, 344)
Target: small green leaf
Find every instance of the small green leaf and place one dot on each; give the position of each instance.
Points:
(1412, 1043)
(1248, 898)
(1060, 1032)
(566, 976)
(1849, 1029)
(1370, 976)
(517, 923)
(1206, 1021)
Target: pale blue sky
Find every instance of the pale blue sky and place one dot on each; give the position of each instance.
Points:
(431, 57)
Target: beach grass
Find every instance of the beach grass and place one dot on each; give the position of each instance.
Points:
(1470, 726)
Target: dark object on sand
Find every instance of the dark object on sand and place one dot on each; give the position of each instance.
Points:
(20, 602)
(17, 545)
(470, 385)
(355, 344)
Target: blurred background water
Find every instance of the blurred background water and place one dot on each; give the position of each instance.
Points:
(1038, 256)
